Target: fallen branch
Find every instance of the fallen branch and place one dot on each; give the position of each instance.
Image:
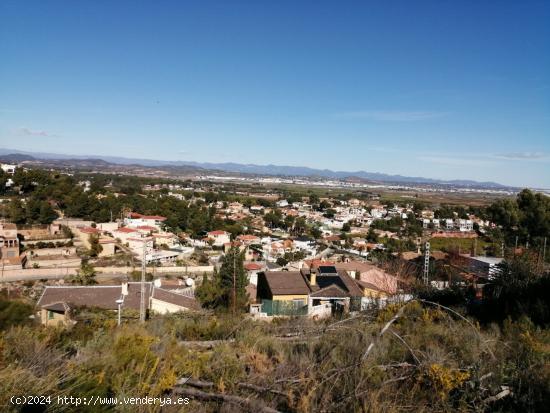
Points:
(386, 327)
(402, 340)
(207, 344)
(228, 398)
(505, 392)
(208, 385)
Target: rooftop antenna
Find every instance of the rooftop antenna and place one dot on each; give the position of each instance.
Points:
(426, 262)
(142, 298)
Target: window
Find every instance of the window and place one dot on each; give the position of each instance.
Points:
(50, 315)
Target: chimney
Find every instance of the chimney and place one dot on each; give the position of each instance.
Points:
(312, 277)
(124, 288)
(357, 275)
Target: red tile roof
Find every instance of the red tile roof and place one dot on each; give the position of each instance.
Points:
(217, 232)
(147, 228)
(252, 266)
(125, 230)
(89, 230)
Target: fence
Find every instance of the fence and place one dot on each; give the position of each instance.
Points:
(287, 308)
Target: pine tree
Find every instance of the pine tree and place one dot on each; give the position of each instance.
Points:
(233, 280)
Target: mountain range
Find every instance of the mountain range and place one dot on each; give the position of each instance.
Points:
(14, 155)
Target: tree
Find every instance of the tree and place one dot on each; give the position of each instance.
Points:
(86, 275)
(47, 215)
(16, 212)
(233, 280)
(227, 288)
(208, 291)
(517, 288)
(372, 236)
(95, 246)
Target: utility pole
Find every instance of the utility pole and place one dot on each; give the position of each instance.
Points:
(143, 268)
(426, 263)
(234, 285)
(544, 252)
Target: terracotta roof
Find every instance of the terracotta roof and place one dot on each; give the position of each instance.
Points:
(147, 228)
(252, 266)
(365, 284)
(330, 291)
(247, 238)
(316, 263)
(89, 230)
(217, 232)
(89, 296)
(100, 296)
(136, 215)
(155, 217)
(355, 266)
(176, 299)
(125, 230)
(286, 283)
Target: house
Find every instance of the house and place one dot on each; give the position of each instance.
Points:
(283, 203)
(252, 270)
(9, 248)
(449, 224)
(248, 239)
(135, 220)
(307, 292)
(9, 243)
(486, 267)
(137, 245)
(57, 304)
(108, 247)
(219, 237)
(305, 244)
(248, 253)
(166, 238)
(84, 234)
(257, 209)
(124, 233)
(464, 225)
(7, 168)
(107, 226)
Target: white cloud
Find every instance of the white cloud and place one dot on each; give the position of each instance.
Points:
(34, 132)
(523, 156)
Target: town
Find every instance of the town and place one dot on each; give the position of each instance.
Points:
(274, 207)
(78, 247)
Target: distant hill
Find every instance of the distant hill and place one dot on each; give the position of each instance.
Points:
(15, 158)
(272, 170)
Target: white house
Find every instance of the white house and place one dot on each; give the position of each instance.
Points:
(7, 168)
(465, 225)
(219, 237)
(135, 220)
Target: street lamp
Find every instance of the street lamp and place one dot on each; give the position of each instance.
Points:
(119, 303)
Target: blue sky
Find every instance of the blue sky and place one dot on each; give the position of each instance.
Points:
(442, 89)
